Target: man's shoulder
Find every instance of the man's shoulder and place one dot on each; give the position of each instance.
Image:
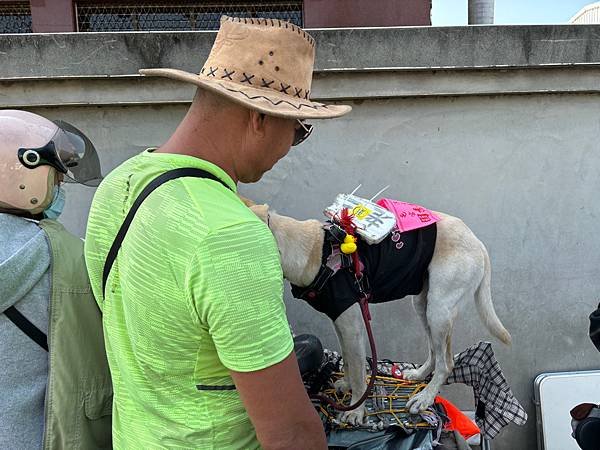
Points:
(11, 225)
(122, 172)
(113, 189)
(212, 203)
(198, 205)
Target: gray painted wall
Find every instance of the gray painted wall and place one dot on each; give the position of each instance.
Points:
(508, 144)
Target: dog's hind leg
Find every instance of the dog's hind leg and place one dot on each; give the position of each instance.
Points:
(350, 329)
(420, 306)
(455, 273)
(440, 318)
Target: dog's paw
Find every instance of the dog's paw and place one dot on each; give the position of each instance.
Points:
(355, 417)
(420, 402)
(342, 386)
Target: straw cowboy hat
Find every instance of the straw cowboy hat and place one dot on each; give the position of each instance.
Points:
(262, 64)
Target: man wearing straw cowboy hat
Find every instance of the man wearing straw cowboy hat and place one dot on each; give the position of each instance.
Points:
(188, 278)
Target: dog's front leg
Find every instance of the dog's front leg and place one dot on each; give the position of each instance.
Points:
(350, 329)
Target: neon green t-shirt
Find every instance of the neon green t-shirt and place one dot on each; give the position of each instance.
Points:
(195, 291)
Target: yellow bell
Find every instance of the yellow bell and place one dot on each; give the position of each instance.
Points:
(349, 245)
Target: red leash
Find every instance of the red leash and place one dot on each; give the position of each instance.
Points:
(364, 307)
(348, 226)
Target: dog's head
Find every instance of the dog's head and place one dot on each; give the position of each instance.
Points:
(246, 201)
(300, 243)
(262, 211)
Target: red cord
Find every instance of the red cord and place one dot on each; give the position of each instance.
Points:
(323, 398)
(345, 221)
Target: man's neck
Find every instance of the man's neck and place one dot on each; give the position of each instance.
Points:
(205, 141)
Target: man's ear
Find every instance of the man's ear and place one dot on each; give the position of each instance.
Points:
(258, 122)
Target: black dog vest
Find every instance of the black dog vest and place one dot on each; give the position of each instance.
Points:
(395, 268)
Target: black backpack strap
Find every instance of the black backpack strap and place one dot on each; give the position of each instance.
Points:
(23, 323)
(167, 176)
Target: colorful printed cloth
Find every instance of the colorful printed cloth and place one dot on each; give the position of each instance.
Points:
(478, 367)
(475, 366)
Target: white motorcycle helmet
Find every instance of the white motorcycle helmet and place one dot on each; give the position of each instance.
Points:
(33, 151)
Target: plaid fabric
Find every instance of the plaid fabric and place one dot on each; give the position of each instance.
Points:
(477, 367)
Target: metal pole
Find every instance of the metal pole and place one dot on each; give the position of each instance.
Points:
(481, 12)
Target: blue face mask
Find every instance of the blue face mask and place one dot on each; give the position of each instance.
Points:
(55, 208)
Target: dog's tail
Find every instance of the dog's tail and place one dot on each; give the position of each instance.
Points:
(485, 307)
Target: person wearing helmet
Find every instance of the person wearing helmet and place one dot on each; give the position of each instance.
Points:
(56, 385)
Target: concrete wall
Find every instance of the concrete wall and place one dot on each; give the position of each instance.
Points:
(496, 125)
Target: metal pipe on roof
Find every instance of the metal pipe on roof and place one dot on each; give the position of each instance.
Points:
(481, 12)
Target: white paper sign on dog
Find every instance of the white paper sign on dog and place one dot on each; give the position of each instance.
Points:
(373, 222)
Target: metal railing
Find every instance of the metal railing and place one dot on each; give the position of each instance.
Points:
(199, 15)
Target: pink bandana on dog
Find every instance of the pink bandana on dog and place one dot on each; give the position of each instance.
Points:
(408, 216)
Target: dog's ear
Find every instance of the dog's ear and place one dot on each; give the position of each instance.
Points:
(262, 211)
(246, 201)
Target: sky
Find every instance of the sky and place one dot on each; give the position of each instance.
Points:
(509, 12)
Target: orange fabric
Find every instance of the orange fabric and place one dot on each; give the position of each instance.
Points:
(458, 421)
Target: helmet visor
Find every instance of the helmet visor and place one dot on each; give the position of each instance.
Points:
(70, 152)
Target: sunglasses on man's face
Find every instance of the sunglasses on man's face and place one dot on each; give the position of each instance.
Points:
(302, 132)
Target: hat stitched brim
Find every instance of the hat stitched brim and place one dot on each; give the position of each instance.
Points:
(263, 100)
